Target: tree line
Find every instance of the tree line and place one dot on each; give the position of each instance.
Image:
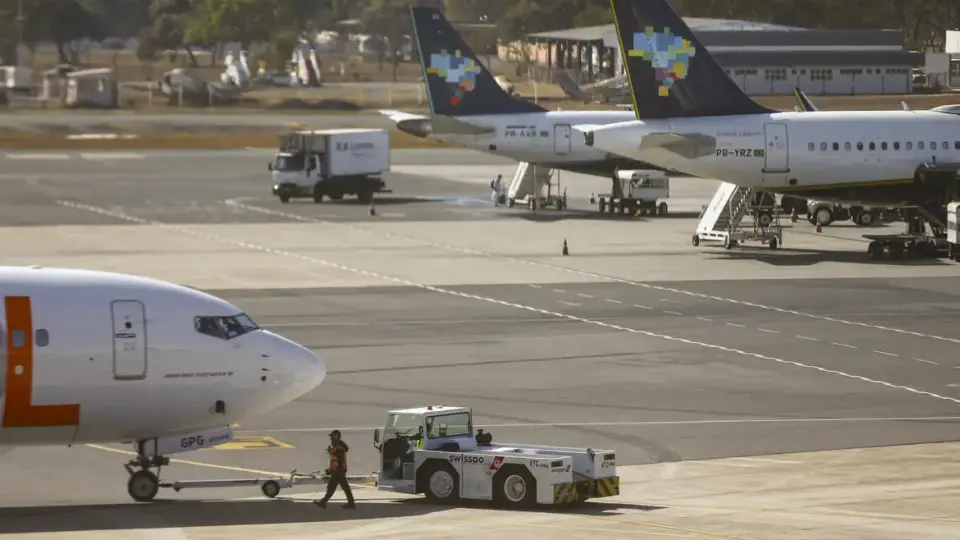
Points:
(162, 25)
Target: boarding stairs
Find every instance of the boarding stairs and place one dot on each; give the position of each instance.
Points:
(721, 220)
(534, 186)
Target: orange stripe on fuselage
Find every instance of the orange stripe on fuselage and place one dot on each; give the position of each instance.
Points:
(19, 410)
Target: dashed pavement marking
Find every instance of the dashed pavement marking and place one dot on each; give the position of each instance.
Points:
(673, 313)
(614, 279)
(612, 301)
(928, 362)
(768, 331)
(808, 338)
(885, 353)
(838, 344)
(313, 260)
(38, 157)
(735, 325)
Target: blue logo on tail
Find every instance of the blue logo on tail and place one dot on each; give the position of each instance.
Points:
(457, 71)
(669, 56)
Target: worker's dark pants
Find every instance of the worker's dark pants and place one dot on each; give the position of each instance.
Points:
(338, 479)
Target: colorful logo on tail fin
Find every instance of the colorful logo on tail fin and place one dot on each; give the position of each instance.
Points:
(458, 72)
(669, 55)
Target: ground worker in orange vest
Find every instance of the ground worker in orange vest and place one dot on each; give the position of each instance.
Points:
(337, 469)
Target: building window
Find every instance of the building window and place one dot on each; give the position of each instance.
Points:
(775, 74)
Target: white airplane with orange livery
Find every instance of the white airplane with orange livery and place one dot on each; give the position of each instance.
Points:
(98, 357)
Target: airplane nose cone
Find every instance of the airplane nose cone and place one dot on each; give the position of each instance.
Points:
(302, 370)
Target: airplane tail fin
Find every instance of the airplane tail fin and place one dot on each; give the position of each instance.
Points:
(670, 72)
(458, 84)
(805, 104)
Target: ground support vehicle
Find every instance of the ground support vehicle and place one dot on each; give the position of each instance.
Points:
(433, 450)
(637, 193)
(331, 163)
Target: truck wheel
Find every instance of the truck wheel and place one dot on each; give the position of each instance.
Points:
(662, 209)
(515, 487)
(317, 194)
(865, 218)
(284, 199)
(336, 195)
(440, 483)
(602, 205)
(823, 215)
(364, 196)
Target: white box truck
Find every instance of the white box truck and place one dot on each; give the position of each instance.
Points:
(331, 163)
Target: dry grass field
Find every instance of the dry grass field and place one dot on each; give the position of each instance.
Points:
(176, 141)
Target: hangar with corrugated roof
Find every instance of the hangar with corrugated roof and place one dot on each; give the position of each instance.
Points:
(763, 59)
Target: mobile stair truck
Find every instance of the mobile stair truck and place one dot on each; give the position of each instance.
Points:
(434, 450)
(721, 221)
(331, 163)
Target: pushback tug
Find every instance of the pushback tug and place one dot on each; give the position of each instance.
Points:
(434, 450)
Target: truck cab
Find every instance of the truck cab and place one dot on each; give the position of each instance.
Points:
(434, 450)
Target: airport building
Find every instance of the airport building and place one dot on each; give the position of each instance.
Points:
(763, 59)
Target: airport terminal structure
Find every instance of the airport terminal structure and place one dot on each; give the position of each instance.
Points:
(763, 59)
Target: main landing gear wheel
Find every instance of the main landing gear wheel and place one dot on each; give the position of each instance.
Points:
(774, 243)
(875, 249)
(143, 486)
(696, 240)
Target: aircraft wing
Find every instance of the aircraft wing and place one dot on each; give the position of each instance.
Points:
(690, 146)
(422, 125)
(400, 116)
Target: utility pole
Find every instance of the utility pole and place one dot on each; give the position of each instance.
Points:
(20, 20)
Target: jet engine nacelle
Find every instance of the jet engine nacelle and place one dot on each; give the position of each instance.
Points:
(419, 127)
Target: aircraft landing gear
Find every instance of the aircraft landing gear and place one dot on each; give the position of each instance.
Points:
(143, 484)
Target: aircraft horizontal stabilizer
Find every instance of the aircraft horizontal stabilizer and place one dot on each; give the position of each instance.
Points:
(448, 125)
(689, 146)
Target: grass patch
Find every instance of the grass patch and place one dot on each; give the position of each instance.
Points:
(178, 141)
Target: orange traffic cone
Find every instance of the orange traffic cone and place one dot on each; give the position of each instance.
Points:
(819, 227)
(565, 250)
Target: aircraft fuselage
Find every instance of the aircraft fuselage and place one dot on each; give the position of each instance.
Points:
(853, 157)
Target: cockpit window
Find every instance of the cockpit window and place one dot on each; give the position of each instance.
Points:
(224, 327)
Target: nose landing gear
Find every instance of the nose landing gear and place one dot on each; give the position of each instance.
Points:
(143, 484)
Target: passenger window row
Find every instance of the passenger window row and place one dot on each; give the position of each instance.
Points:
(824, 147)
